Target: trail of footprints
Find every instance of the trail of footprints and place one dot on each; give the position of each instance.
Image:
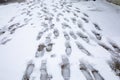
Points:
(68, 33)
(89, 72)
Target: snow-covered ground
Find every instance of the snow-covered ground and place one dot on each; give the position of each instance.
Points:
(78, 33)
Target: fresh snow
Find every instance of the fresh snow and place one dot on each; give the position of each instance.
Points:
(76, 48)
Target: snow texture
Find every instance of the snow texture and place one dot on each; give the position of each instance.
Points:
(60, 40)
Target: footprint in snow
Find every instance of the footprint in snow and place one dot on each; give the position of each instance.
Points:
(75, 15)
(52, 26)
(80, 26)
(95, 73)
(97, 26)
(65, 25)
(66, 36)
(97, 35)
(85, 71)
(5, 40)
(78, 11)
(68, 49)
(13, 26)
(56, 33)
(74, 20)
(43, 70)
(57, 19)
(48, 40)
(65, 68)
(72, 34)
(2, 32)
(82, 36)
(85, 14)
(85, 20)
(106, 47)
(39, 35)
(60, 14)
(115, 46)
(40, 51)
(67, 20)
(28, 71)
(45, 25)
(80, 46)
(49, 47)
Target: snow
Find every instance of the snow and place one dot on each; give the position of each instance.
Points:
(7, 11)
(109, 13)
(23, 44)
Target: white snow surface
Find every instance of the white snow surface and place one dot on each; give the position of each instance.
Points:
(22, 44)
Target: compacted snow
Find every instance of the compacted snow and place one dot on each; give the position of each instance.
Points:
(57, 40)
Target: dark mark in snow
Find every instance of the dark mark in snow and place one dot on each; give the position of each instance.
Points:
(97, 35)
(85, 14)
(95, 73)
(49, 47)
(73, 35)
(66, 19)
(65, 68)
(115, 46)
(40, 50)
(39, 35)
(97, 26)
(106, 47)
(85, 20)
(73, 20)
(66, 35)
(80, 46)
(56, 32)
(43, 70)
(1, 32)
(85, 71)
(4, 40)
(44, 24)
(28, 71)
(68, 49)
(65, 25)
(84, 37)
